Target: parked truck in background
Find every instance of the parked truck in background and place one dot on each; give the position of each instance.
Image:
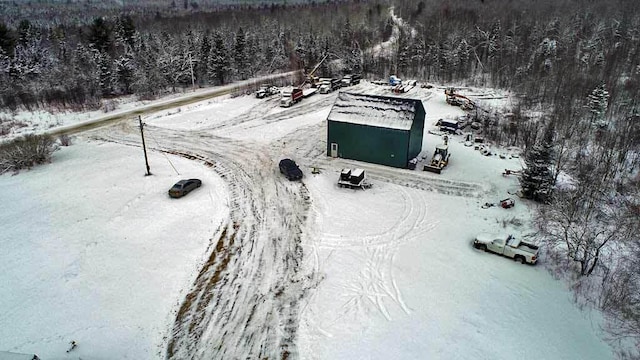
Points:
(351, 79)
(329, 85)
(266, 90)
(290, 96)
(508, 246)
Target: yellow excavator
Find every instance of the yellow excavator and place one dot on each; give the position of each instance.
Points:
(311, 78)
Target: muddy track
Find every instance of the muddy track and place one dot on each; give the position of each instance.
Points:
(245, 301)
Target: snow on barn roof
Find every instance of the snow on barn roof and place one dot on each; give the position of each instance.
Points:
(371, 110)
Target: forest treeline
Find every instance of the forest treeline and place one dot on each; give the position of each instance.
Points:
(574, 67)
(76, 66)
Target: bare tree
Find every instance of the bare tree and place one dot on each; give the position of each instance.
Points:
(581, 224)
(620, 299)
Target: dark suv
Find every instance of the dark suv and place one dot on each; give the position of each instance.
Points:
(290, 169)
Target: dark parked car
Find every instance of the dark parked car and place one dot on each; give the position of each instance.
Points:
(183, 187)
(290, 169)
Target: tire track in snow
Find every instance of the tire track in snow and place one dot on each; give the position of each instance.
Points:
(254, 112)
(245, 301)
(376, 281)
(262, 116)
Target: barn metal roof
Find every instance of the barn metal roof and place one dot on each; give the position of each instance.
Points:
(373, 110)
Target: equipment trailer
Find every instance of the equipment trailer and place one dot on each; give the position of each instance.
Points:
(353, 179)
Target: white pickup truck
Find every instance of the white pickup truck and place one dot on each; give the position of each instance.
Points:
(507, 245)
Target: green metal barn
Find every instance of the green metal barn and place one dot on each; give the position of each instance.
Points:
(377, 129)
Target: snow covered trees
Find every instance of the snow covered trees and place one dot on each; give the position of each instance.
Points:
(218, 67)
(100, 35)
(241, 55)
(598, 102)
(537, 179)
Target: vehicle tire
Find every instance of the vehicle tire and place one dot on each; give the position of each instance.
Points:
(481, 247)
(520, 259)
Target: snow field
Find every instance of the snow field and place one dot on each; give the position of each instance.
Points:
(401, 280)
(99, 253)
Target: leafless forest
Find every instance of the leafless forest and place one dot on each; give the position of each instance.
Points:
(573, 65)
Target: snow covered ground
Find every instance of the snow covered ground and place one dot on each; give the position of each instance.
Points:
(93, 251)
(96, 252)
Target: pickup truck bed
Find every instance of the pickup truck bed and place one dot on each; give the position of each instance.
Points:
(521, 245)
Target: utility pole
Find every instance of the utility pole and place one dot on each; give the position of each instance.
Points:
(144, 147)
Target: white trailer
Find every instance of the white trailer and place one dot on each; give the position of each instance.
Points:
(353, 179)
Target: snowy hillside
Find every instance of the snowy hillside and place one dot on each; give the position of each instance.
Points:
(253, 266)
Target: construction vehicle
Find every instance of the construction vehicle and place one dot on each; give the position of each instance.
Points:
(328, 85)
(351, 79)
(458, 100)
(290, 96)
(293, 95)
(439, 160)
(310, 78)
(266, 90)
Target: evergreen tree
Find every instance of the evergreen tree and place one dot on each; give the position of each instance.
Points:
(25, 32)
(241, 61)
(100, 35)
(346, 35)
(125, 30)
(256, 61)
(7, 40)
(31, 59)
(106, 74)
(300, 52)
(202, 59)
(124, 73)
(276, 55)
(148, 80)
(218, 66)
(598, 102)
(537, 179)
